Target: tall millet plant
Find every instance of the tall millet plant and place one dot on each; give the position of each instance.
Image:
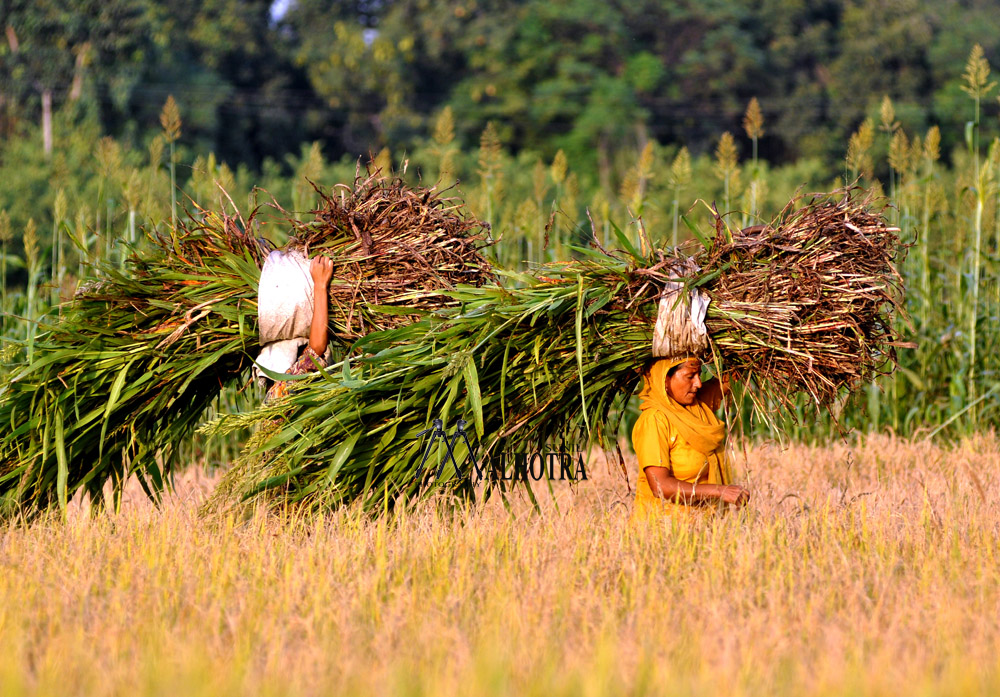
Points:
(678, 179)
(977, 85)
(58, 251)
(859, 159)
(860, 166)
(109, 160)
(558, 171)
(444, 148)
(32, 255)
(727, 167)
(490, 173)
(6, 236)
(170, 119)
(931, 154)
(753, 124)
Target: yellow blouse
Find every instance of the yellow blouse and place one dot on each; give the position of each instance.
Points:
(657, 443)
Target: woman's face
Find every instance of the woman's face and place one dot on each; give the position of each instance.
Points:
(684, 384)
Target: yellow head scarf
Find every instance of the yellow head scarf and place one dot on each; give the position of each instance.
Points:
(697, 424)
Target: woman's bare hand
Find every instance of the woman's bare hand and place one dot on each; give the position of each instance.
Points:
(735, 495)
(321, 270)
(725, 384)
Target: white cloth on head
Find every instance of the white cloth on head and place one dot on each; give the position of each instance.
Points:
(680, 322)
(284, 310)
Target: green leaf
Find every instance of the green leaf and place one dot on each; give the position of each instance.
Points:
(343, 452)
(579, 349)
(13, 262)
(913, 377)
(697, 233)
(116, 390)
(62, 477)
(281, 377)
(503, 380)
(475, 396)
(625, 241)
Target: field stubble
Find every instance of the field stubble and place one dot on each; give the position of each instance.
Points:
(864, 568)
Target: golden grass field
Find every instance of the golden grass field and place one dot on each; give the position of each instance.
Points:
(868, 568)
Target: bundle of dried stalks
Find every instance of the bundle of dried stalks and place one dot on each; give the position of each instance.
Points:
(392, 245)
(806, 303)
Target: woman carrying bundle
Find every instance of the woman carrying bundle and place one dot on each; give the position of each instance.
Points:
(680, 443)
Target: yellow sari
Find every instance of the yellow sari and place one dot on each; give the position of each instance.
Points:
(689, 441)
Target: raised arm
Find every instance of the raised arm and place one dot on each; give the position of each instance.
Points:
(713, 391)
(321, 270)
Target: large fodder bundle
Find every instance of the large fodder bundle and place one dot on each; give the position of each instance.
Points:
(552, 359)
(126, 370)
(129, 367)
(805, 304)
(551, 362)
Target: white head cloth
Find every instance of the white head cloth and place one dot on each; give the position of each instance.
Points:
(680, 318)
(284, 309)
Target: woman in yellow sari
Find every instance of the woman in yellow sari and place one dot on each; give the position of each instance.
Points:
(680, 442)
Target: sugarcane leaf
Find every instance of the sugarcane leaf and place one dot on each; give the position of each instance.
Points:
(625, 241)
(395, 310)
(599, 303)
(280, 377)
(445, 411)
(503, 380)
(475, 396)
(579, 350)
(345, 369)
(587, 252)
(286, 434)
(697, 233)
(343, 452)
(116, 390)
(45, 434)
(62, 476)
(272, 482)
(708, 277)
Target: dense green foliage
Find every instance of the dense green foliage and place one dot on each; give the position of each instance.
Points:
(546, 113)
(585, 76)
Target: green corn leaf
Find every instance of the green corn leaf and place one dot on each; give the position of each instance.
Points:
(625, 242)
(62, 477)
(579, 350)
(343, 453)
(475, 396)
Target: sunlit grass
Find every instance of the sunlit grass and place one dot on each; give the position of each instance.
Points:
(865, 568)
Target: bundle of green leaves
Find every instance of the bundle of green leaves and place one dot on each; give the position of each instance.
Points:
(124, 373)
(126, 370)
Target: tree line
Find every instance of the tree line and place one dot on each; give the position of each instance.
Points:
(257, 79)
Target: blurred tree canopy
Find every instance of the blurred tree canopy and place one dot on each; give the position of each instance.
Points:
(586, 76)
